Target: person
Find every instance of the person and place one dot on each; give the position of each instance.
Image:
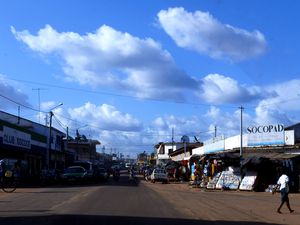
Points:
(116, 174)
(283, 186)
(1, 170)
(131, 174)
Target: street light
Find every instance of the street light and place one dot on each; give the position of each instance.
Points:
(49, 141)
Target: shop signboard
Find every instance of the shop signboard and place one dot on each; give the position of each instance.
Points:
(16, 138)
(248, 181)
(214, 145)
(265, 135)
(229, 179)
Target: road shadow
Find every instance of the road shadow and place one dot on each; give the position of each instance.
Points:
(108, 220)
(122, 181)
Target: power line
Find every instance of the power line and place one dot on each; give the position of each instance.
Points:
(59, 122)
(147, 99)
(121, 95)
(20, 104)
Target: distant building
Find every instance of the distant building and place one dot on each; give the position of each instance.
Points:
(83, 149)
(164, 149)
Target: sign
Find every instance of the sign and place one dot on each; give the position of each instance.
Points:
(16, 138)
(248, 181)
(266, 135)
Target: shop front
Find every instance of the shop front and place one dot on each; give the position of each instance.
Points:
(23, 148)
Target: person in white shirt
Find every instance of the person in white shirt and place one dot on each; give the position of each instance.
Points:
(282, 183)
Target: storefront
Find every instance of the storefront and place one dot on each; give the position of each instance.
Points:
(19, 145)
(25, 143)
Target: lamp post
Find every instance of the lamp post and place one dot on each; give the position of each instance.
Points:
(49, 141)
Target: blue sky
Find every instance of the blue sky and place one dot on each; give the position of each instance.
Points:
(127, 72)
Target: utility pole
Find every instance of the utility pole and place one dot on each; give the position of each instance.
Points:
(172, 139)
(49, 142)
(39, 98)
(241, 131)
(241, 144)
(19, 114)
(215, 131)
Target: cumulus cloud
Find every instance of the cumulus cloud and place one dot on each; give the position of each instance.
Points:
(110, 58)
(11, 90)
(105, 117)
(201, 32)
(192, 126)
(219, 89)
(279, 106)
(227, 123)
(276, 109)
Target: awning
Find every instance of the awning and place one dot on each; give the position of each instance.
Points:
(271, 156)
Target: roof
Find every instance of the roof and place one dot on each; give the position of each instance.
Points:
(271, 156)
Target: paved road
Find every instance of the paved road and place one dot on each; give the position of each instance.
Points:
(142, 203)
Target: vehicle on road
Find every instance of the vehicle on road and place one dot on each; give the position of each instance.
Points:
(91, 169)
(128, 165)
(74, 174)
(102, 174)
(159, 175)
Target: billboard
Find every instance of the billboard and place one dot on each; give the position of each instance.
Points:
(265, 135)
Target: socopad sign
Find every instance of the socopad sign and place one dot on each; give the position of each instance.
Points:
(266, 135)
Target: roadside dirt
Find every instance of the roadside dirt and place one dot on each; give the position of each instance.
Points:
(217, 205)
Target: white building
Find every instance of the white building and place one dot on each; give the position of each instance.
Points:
(164, 149)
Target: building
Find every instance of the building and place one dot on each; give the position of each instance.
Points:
(36, 147)
(262, 151)
(27, 143)
(184, 153)
(164, 149)
(83, 149)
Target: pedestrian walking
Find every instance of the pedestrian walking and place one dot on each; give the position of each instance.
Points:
(283, 186)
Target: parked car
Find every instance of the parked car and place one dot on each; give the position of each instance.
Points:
(74, 174)
(89, 167)
(159, 175)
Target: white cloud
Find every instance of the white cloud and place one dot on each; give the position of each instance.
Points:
(10, 89)
(110, 58)
(218, 89)
(105, 117)
(277, 109)
(117, 131)
(191, 126)
(201, 32)
(279, 106)
(227, 123)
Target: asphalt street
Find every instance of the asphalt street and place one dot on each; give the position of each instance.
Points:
(140, 203)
